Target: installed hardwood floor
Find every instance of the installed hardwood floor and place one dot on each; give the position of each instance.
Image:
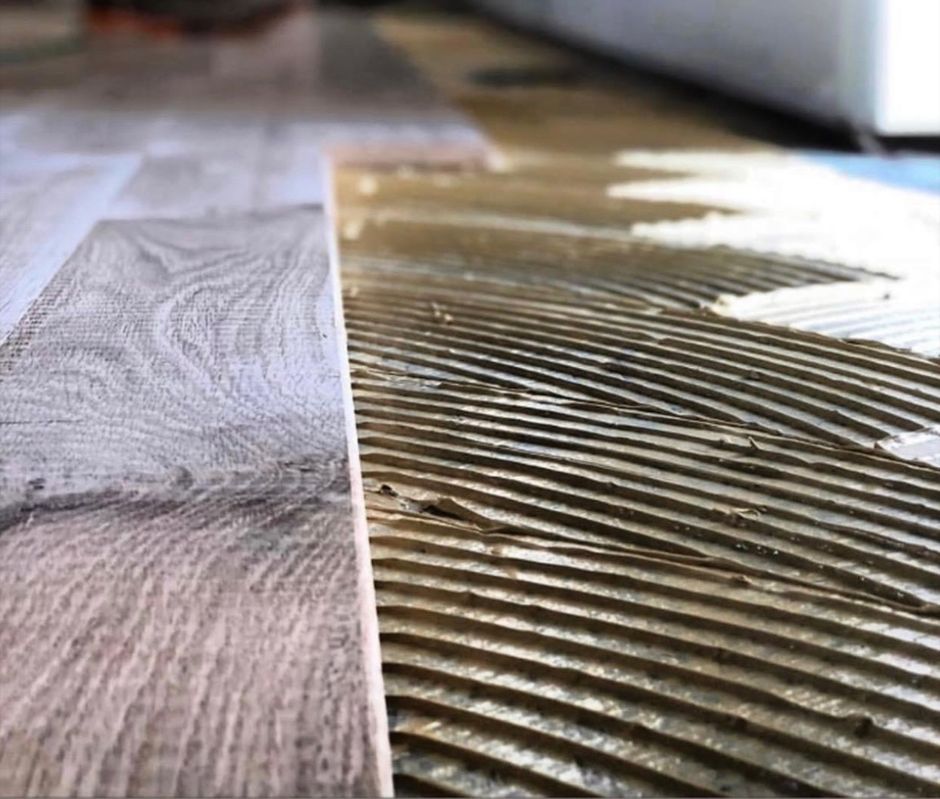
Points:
(197, 343)
(186, 599)
(47, 206)
(182, 610)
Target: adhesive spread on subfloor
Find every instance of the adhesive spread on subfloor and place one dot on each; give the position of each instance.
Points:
(625, 544)
(490, 195)
(920, 445)
(591, 475)
(502, 262)
(577, 599)
(560, 570)
(788, 205)
(682, 362)
(901, 313)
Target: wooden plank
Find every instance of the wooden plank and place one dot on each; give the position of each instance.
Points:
(187, 603)
(254, 168)
(187, 606)
(366, 102)
(47, 206)
(189, 186)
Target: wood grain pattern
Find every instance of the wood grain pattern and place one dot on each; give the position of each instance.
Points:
(169, 98)
(183, 611)
(47, 206)
(186, 599)
(259, 166)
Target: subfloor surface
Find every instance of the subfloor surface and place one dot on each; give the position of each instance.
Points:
(629, 538)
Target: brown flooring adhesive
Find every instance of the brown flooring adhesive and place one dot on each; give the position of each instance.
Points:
(691, 364)
(512, 262)
(623, 544)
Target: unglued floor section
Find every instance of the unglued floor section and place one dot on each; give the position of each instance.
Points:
(582, 600)
(625, 544)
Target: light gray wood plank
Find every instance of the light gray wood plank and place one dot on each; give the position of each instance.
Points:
(195, 172)
(189, 186)
(187, 605)
(294, 167)
(47, 206)
(327, 68)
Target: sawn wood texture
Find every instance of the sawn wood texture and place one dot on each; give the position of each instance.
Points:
(186, 599)
(182, 610)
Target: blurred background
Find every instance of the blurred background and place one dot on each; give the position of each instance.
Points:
(872, 66)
